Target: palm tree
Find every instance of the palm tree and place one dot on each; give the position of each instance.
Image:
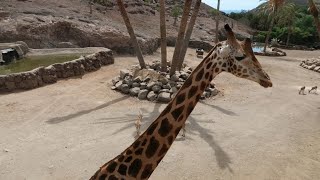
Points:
(131, 33)
(163, 36)
(273, 7)
(287, 17)
(315, 13)
(217, 22)
(179, 42)
(188, 33)
(176, 12)
(90, 6)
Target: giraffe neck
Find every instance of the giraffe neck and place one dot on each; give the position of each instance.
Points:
(140, 159)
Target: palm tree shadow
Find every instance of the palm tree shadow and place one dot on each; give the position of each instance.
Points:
(57, 120)
(222, 157)
(132, 117)
(194, 128)
(224, 111)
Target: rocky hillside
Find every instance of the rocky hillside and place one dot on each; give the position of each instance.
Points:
(60, 23)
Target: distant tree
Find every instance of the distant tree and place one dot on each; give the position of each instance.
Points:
(176, 12)
(131, 33)
(315, 13)
(287, 17)
(217, 22)
(163, 36)
(90, 6)
(272, 8)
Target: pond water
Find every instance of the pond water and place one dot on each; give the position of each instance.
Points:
(29, 63)
(258, 47)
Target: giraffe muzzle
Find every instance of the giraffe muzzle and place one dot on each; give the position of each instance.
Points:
(265, 83)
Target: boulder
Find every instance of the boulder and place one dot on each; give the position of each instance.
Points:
(118, 85)
(156, 88)
(151, 96)
(143, 94)
(124, 73)
(150, 85)
(143, 85)
(134, 91)
(164, 97)
(125, 88)
(135, 84)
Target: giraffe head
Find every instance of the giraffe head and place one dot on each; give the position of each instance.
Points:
(239, 59)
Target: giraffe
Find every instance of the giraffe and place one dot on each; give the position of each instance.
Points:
(141, 158)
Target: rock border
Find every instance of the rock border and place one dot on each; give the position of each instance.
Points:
(152, 85)
(311, 64)
(51, 74)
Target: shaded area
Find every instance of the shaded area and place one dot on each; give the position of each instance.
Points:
(57, 120)
(194, 128)
(224, 111)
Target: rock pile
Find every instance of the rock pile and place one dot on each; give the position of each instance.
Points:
(311, 64)
(153, 85)
(48, 75)
(273, 52)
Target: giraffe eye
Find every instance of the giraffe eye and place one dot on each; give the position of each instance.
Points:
(240, 57)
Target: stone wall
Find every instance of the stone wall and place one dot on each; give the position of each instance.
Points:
(48, 75)
(311, 64)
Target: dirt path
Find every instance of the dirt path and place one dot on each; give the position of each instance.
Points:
(69, 129)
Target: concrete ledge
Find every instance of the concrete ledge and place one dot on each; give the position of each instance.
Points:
(51, 74)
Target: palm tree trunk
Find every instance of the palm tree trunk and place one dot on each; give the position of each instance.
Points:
(90, 6)
(131, 33)
(179, 42)
(269, 32)
(163, 35)
(289, 34)
(315, 13)
(217, 22)
(188, 33)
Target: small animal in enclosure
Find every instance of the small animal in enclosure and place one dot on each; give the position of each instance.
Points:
(313, 89)
(138, 123)
(302, 90)
(199, 52)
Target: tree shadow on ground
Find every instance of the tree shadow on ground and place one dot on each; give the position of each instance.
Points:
(194, 128)
(57, 120)
(224, 111)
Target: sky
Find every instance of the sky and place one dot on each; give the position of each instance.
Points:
(234, 4)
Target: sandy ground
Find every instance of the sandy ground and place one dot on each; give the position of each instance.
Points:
(69, 129)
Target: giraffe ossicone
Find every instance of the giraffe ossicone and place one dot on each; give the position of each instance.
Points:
(141, 158)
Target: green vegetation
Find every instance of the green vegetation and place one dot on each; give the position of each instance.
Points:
(293, 24)
(29, 63)
(176, 12)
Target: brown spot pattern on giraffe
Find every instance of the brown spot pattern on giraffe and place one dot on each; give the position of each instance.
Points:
(180, 98)
(122, 169)
(192, 91)
(147, 171)
(152, 147)
(165, 128)
(112, 177)
(135, 167)
(152, 128)
(200, 75)
(139, 151)
(163, 150)
(177, 112)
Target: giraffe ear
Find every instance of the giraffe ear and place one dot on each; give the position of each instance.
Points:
(231, 39)
(247, 46)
